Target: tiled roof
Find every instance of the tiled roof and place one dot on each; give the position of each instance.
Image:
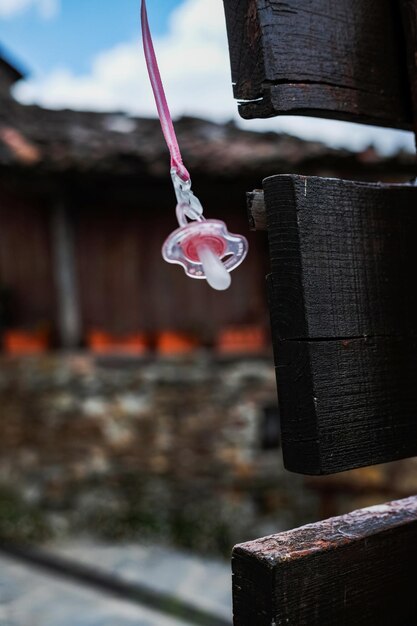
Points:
(113, 143)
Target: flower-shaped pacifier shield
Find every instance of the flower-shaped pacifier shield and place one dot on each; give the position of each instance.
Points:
(206, 249)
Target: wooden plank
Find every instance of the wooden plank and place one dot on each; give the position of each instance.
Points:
(26, 259)
(344, 59)
(347, 403)
(354, 570)
(409, 12)
(344, 320)
(256, 209)
(343, 257)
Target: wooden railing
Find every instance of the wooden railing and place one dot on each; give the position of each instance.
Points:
(343, 306)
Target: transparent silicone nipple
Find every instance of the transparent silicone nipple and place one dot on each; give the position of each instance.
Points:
(215, 272)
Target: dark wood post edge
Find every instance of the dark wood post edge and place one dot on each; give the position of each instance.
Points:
(330, 533)
(409, 15)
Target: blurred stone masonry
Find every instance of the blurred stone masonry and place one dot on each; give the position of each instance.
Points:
(120, 445)
(172, 449)
(163, 417)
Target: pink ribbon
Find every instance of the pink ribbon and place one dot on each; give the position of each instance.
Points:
(160, 98)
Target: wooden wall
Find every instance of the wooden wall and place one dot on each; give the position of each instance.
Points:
(26, 271)
(122, 283)
(125, 285)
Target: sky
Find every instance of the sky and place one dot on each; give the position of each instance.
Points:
(86, 54)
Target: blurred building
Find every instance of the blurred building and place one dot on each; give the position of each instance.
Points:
(86, 203)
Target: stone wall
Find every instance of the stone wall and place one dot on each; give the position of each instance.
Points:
(168, 448)
(113, 446)
(74, 417)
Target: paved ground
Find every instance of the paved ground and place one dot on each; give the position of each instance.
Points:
(29, 597)
(201, 582)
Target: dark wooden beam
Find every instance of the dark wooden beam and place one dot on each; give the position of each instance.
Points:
(343, 60)
(409, 12)
(354, 570)
(347, 403)
(343, 257)
(344, 320)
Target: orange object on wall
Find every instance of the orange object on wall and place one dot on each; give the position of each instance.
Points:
(22, 342)
(107, 343)
(172, 343)
(241, 339)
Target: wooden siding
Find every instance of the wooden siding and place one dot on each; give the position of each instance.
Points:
(125, 286)
(25, 259)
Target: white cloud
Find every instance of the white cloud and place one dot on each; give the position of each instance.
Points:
(12, 8)
(194, 62)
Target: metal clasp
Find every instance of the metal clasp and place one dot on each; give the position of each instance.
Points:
(188, 205)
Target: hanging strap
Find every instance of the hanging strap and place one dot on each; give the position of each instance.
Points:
(160, 99)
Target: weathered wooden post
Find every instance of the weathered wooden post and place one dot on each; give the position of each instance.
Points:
(343, 306)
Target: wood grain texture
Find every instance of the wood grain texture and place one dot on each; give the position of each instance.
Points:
(118, 249)
(354, 570)
(409, 13)
(246, 48)
(256, 209)
(344, 60)
(26, 259)
(347, 403)
(344, 320)
(343, 257)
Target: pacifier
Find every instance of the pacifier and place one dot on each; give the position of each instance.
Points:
(203, 247)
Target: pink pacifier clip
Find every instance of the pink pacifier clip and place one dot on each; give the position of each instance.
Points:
(198, 245)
